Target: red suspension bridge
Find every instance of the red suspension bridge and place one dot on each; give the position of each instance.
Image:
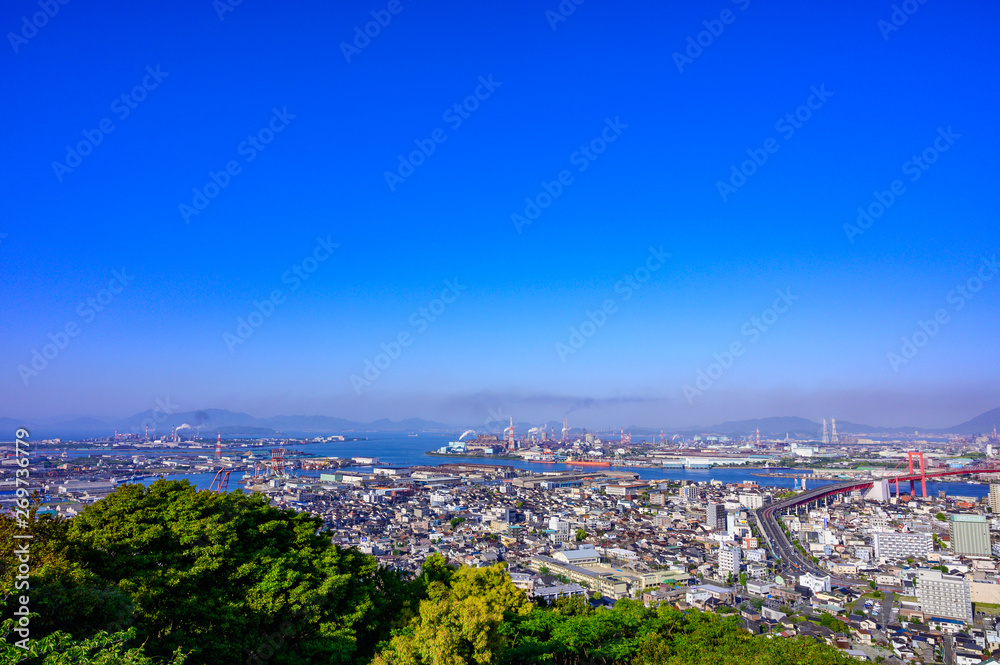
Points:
(985, 466)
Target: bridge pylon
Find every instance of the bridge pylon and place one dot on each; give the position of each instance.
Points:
(923, 473)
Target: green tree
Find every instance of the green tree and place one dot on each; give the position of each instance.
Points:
(455, 521)
(942, 517)
(459, 623)
(65, 595)
(216, 575)
(60, 648)
(743, 579)
(580, 534)
(833, 623)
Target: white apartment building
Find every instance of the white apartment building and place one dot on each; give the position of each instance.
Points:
(893, 545)
(815, 583)
(690, 494)
(943, 595)
(730, 559)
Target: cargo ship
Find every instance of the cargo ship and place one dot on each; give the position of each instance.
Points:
(588, 463)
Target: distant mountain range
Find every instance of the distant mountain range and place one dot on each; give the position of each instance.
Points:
(803, 427)
(207, 422)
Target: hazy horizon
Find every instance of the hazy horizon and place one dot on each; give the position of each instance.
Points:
(577, 416)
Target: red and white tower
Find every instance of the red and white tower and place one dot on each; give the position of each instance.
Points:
(218, 445)
(758, 437)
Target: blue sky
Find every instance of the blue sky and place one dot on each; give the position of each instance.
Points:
(886, 96)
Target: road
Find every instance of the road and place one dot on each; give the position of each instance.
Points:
(795, 561)
(948, 647)
(887, 609)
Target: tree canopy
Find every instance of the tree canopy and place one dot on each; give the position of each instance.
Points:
(221, 577)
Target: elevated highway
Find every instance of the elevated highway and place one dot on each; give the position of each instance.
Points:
(798, 563)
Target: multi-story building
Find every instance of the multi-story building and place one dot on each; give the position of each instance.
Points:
(941, 595)
(737, 524)
(970, 535)
(559, 531)
(730, 559)
(752, 501)
(715, 516)
(893, 545)
(690, 493)
(995, 498)
(815, 583)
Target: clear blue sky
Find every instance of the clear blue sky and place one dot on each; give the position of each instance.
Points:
(551, 92)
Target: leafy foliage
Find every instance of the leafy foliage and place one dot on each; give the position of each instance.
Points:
(219, 576)
(573, 632)
(60, 648)
(460, 621)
